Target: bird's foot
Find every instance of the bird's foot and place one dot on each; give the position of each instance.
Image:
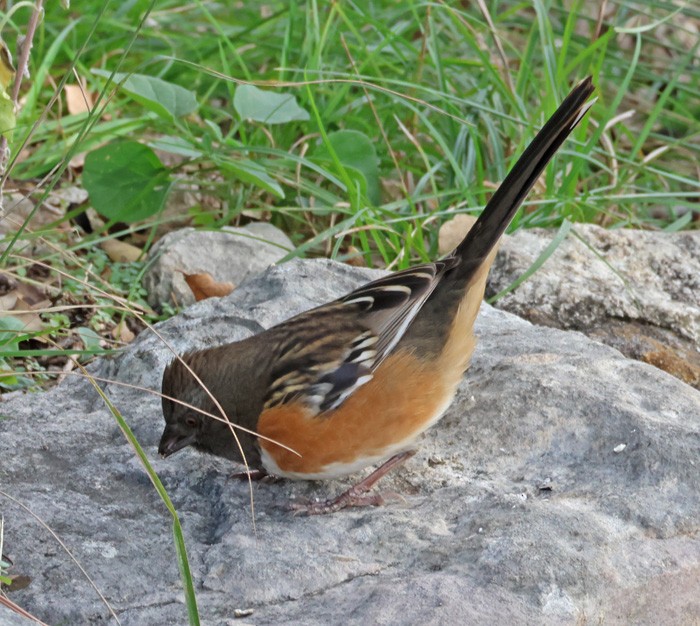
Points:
(357, 495)
(345, 500)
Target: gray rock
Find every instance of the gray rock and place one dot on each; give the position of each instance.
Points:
(9, 617)
(561, 487)
(646, 276)
(637, 291)
(229, 255)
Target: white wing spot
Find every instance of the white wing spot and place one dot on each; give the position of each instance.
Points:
(366, 343)
(369, 299)
(366, 355)
(399, 288)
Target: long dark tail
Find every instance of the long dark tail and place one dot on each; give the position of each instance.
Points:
(503, 205)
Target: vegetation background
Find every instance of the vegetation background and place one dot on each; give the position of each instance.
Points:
(356, 127)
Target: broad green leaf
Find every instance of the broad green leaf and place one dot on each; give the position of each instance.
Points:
(355, 150)
(268, 107)
(10, 333)
(253, 173)
(126, 181)
(91, 340)
(163, 98)
(176, 145)
(7, 381)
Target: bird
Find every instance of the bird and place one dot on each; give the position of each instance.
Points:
(353, 383)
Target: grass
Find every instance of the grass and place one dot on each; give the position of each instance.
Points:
(397, 115)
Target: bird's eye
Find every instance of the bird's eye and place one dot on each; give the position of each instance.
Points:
(191, 422)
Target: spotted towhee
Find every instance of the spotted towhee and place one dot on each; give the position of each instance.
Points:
(352, 383)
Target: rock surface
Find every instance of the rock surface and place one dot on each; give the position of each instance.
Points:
(9, 617)
(597, 274)
(229, 255)
(561, 487)
(638, 291)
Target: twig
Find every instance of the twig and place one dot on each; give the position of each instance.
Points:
(25, 48)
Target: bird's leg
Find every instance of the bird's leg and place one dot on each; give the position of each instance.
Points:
(355, 496)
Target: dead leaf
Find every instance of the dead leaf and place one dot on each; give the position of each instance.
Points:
(8, 300)
(78, 161)
(33, 295)
(20, 209)
(78, 99)
(23, 303)
(7, 69)
(18, 582)
(12, 304)
(121, 332)
(452, 232)
(7, 106)
(120, 251)
(355, 257)
(203, 286)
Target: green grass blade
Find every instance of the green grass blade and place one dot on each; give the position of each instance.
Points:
(183, 563)
(538, 263)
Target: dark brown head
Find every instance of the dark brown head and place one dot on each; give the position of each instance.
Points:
(225, 371)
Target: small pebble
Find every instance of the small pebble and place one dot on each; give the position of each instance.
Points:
(620, 447)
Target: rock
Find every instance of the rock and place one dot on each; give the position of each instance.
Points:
(638, 291)
(9, 617)
(621, 274)
(517, 508)
(232, 255)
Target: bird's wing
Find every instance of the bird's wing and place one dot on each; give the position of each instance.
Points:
(327, 353)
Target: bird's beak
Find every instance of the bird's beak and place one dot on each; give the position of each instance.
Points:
(173, 440)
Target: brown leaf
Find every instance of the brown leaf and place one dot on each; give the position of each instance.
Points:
(8, 300)
(78, 161)
(452, 232)
(121, 332)
(120, 251)
(355, 257)
(7, 70)
(78, 99)
(22, 308)
(32, 294)
(203, 286)
(20, 208)
(19, 581)
(32, 321)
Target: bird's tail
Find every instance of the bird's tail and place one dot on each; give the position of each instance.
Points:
(493, 221)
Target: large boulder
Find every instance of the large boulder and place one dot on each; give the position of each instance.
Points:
(561, 487)
(638, 291)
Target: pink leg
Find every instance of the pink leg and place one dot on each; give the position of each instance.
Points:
(355, 496)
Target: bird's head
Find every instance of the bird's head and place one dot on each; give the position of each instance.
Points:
(223, 374)
(184, 425)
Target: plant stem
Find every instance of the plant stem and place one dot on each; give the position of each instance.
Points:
(22, 62)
